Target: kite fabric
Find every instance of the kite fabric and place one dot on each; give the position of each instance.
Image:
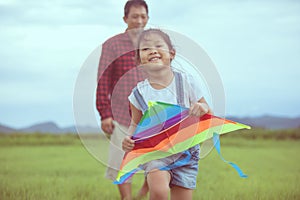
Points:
(166, 129)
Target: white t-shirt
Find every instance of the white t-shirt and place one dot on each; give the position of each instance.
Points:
(191, 90)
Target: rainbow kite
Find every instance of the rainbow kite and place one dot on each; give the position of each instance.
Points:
(166, 129)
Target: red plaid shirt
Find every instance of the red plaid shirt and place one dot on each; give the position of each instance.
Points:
(117, 76)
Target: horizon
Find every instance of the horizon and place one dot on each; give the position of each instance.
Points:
(88, 125)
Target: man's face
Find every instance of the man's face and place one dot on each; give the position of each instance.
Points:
(137, 17)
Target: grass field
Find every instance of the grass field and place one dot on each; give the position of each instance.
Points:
(38, 167)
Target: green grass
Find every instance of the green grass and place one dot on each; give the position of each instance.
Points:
(59, 167)
(272, 166)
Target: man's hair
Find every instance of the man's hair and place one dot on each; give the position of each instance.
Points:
(131, 3)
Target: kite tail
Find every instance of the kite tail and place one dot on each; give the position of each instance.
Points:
(217, 145)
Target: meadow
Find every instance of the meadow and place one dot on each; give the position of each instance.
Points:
(45, 166)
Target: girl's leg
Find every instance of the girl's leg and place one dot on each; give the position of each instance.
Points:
(179, 193)
(158, 182)
(143, 191)
(125, 191)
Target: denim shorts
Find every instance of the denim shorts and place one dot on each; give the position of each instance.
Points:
(183, 176)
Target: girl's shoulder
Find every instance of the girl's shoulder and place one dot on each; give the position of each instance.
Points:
(142, 85)
(186, 77)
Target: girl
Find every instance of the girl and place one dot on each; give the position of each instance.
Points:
(155, 53)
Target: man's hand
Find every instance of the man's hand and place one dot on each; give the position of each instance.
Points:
(107, 125)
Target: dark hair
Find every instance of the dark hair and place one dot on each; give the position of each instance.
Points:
(131, 3)
(150, 31)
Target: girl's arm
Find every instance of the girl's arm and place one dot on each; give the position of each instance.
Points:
(200, 108)
(136, 116)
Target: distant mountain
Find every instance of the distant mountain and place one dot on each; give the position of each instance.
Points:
(6, 129)
(268, 122)
(49, 127)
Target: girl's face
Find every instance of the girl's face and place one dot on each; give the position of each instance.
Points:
(154, 52)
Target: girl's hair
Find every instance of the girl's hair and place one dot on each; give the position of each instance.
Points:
(131, 3)
(150, 31)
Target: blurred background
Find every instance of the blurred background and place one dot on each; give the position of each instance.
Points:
(255, 46)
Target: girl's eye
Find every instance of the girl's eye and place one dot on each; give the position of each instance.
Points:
(145, 49)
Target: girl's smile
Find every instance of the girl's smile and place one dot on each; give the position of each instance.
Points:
(155, 58)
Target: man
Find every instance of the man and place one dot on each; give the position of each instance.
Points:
(116, 62)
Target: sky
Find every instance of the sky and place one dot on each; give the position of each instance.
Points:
(255, 46)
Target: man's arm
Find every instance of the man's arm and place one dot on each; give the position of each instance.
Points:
(104, 90)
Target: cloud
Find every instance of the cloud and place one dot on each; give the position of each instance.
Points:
(254, 44)
(58, 13)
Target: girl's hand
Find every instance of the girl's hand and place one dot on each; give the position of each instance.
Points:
(198, 109)
(127, 144)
